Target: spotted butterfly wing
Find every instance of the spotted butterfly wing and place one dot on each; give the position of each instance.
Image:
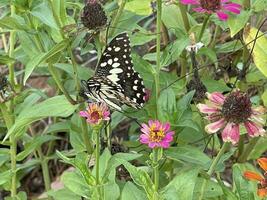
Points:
(115, 81)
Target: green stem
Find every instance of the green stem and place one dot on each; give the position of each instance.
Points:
(216, 33)
(156, 76)
(241, 145)
(248, 149)
(108, 135)
(246, 4)
(74, 64)
(184, 16)
(11, 69)
(59, 84)
(96, 131)
(117, 17)
(4, 41)
(203, 27)
(37, 37)
(86, 138)
(212, 168)
(13, 155)
(155, 168)
(183, 64)
(45, 171)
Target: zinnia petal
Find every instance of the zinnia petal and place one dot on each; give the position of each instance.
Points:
(144, 139)
(263, 163)
(253, 176)
(262, 192)
(254, 129)
(206, 109)
(215, 126)
(216, 97)
(232, 9)
(186, 2)
(200, 10)
(83, 114)
(222, 16)
(231, 133)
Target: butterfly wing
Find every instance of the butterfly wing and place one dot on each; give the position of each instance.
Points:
(116, 65)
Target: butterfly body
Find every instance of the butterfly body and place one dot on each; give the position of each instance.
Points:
(115, 81)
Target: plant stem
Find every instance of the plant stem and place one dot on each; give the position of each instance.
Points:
(216, 33)
(74, 64)
(155, 168)
(96, 132)
(117, 17)
(45, 171)
(248, 149)
(12, 77)
(59, 84)
(184, 16)
(13, 155)
(203, 27)
(87, 140)
(156, 76)
(246, 4)
(212, 168)
(4, 41)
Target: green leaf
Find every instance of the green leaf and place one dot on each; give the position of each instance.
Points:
(44, 13)
(81, 163)
(141, 178)
(131, 192)
(212, 190)
(5, 177)
(76, 183)
(259, 5)
(182, 186)
(243, 187)
(139, 7)
(187, 154)
(12, 24)
(34, 144)
(264, 98)
(259, 53)
(43, 57)
(4, 60)
(237, 22)
(4, 156)
(65, 194)
(167, 100)
(20, 196)
(57, 106)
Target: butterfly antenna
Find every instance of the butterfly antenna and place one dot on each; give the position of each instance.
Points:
(205, 65)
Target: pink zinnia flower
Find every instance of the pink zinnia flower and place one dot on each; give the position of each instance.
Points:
(96, 113)
(156, 134)
(229, 113)
(220, 7)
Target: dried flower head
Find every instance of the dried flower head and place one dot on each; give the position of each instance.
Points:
(220, 7)
(200, 89)
(93, 15)
(96, 113)
(230, 112)
(262, 180)
(156, 134)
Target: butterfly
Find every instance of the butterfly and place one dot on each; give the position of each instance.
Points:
(115, 81)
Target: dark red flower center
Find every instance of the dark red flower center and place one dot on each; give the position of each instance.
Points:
(95, 116)
(237, 107)
(211, 5)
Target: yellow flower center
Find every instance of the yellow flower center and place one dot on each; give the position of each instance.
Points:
(155, 134)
